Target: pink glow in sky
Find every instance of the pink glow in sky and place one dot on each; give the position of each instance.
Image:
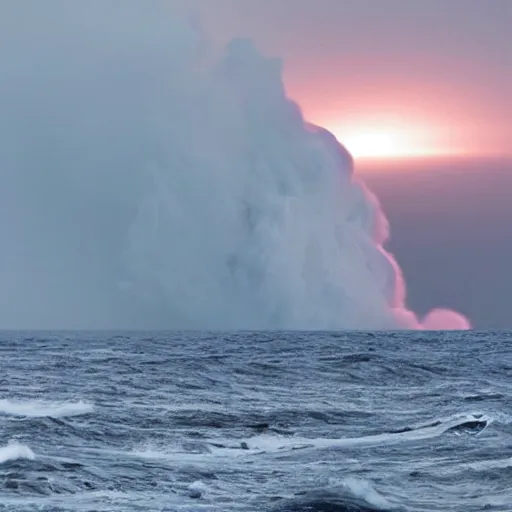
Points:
(408, 78)
(410, 126)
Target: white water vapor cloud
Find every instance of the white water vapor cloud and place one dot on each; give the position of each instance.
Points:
(142, 188)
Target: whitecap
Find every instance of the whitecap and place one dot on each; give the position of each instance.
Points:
(273, 443)
(41, 409)
(15, 451)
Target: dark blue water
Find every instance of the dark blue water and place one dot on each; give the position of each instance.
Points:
(256, 422)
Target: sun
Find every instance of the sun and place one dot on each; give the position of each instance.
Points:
(387, 140)
(375, 144)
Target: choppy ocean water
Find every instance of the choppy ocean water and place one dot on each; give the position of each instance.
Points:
(276, 422)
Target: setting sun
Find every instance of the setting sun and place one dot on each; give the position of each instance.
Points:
(395, 137)
(385, 142)
(375, 145)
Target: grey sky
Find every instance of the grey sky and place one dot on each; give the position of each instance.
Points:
(450, 233)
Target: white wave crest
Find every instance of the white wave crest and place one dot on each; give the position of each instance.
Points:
(272, 443)
(39, 408)
(363, 489)
(15, 451)
(226, 449)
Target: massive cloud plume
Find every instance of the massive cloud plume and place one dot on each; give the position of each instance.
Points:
(142, 188)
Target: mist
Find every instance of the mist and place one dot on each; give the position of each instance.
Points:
(147, 185)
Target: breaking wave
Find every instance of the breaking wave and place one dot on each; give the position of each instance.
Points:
(15, 451)
(348, 495)
(41, 409)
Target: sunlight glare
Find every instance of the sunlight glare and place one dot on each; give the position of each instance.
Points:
(373, 145)
(388, 140)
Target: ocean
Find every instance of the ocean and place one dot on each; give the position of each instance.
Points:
(256, 421)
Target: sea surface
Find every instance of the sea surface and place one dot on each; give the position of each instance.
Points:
(274, 421)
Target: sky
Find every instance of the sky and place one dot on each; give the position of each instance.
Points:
(406, 76)
(393, 80)
(415, 78)
(450, 234)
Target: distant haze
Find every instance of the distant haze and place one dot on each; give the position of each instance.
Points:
(143, 187)
(153, 178)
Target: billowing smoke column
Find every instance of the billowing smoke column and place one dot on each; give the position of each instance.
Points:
(141, 189)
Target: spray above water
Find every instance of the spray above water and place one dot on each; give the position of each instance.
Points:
(141, 189)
